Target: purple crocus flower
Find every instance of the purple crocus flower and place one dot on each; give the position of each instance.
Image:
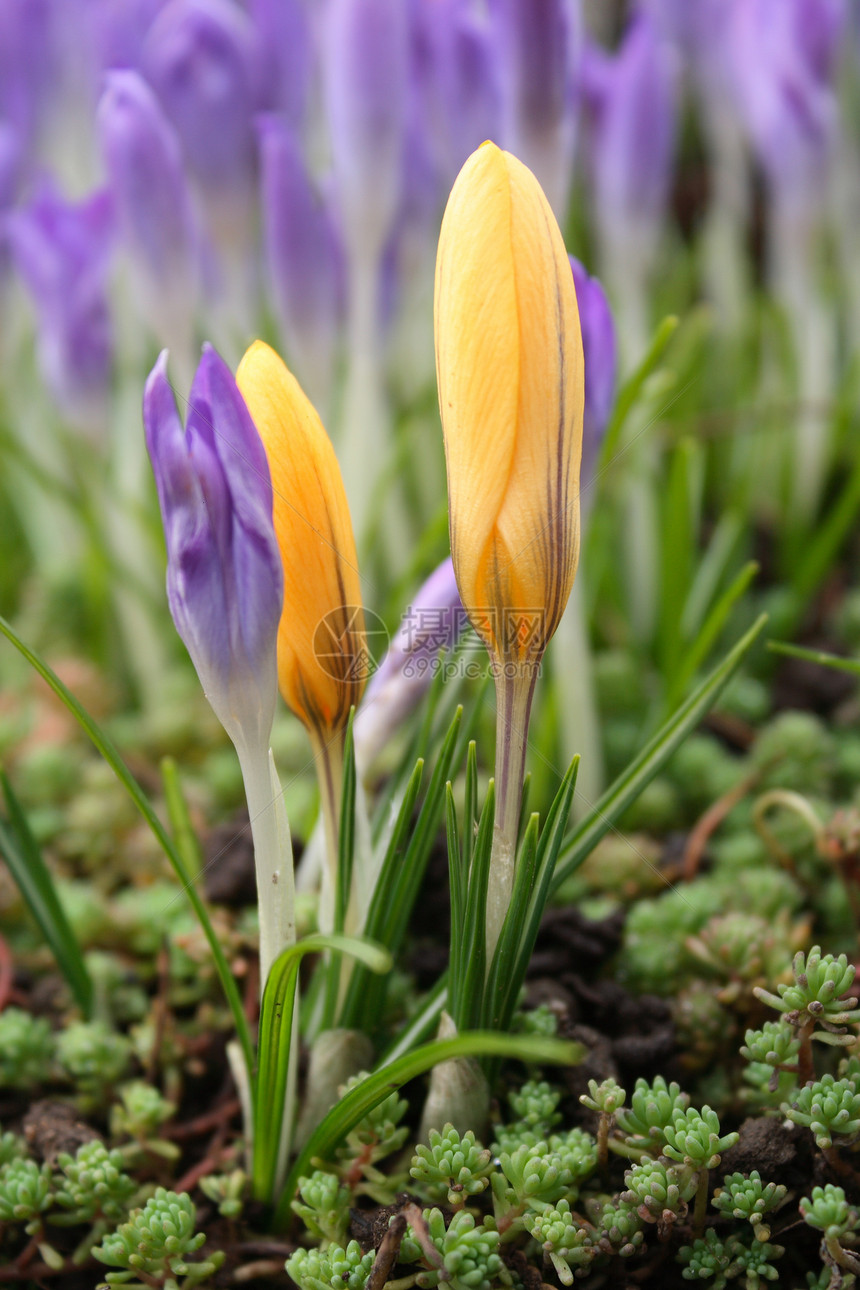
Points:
(433, 622)
(61, 250)
(285, 57)
(455, 79)
(539, 47)
(119, 28)
(153, 205)
(600, 361)
(784, 57)
(26, 63)
(366, 52)
(304, 257)
(199, 57)
(224, 573)
(633, 106)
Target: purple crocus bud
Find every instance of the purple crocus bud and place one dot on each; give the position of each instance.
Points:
(633, 103)
(366, 52)
(539, 46)
(285, 57)
(600, 361)
(119, 28)
(784, 54)
(26, 63)
(433, 622)
(456, 78)
(224, 572)
(61, 250)
(304, 257)
(153, 205)
(199, 58)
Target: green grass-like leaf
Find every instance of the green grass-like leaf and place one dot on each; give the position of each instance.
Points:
(821, 656)
(275, 1041)
(21, 852)
(653, 757)
(111, 754)
(354, 1106)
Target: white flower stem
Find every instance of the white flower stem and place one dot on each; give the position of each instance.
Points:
(514, 695)
(273, 855)
(328, 756)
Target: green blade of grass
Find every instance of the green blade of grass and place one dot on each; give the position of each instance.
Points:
(632, 388)
(653, 757)
(457, 891)
(21, 852)
(111, 754)
(355, 1105)
(466, 1010)
(515, 917)
(821, 656)
(275, 1040)
(180, 819)
(696, 654)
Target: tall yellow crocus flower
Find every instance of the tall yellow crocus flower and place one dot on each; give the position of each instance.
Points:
(322, 657)
(510, 375)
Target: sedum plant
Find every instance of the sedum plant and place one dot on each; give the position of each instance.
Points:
(155, 1245)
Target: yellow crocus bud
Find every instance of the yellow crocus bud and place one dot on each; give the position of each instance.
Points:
(321, 641)
(510, 374)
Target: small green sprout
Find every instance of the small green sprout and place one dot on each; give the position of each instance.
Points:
(26, 1049)
(828, 1107)
(816, 996)
(693, 1138)
(776, 1045)
(651, 1111)
(749, 1198)
(227, 1191)
(564, 1239)
(707, 1259)
(753, 1261)
(466, 1254)
(378, 1135)
(25, 1193)
(828, 1211)
(323, 1206)
(452, 1167)
(93, 1056)
(605, 1099)
(534, 1104)
(155, 1243)
(620, 1230)
(93, 1185)
(657, 1193)
(12, 1147)
(139, 1114)
(336, 1268)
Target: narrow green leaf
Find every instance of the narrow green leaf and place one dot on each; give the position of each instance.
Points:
(180, 819)
(708, 633)
(346, 833)
(109, 751)
(821, 656)
(355, 1105)
(275, 1038)
(21, 852)
(421, 1024)
(653, 757)
(470, 814)
(632, 388)
(456, 886)
(469, 1005)
(711, 571)
(512, 928)
(678, 525)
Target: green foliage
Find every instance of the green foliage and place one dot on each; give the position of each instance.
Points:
(707, 1259)
(323, 1206)
(621, 1230)
(139, 1114)
(93, 1185)
(775, 1044)
(543, 1173)
(227, 1191)
(655, 1190)
(829, 1107)
(817, 992)
(334, 1268)
(748, 1197)
(25, 1192)
(12, 1147)
(93, 1056)
(26, 1049)
(651, 1111)
(568, 1244)
(795, 751)
(156, 1243)
(828, 1211)
(452, 1168)
(693, 1138)
(534, 1104)
(377, 1135)
(470, 1258)
(606, 1098)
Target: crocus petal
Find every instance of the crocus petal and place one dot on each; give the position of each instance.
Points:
(199, 57)
(322, 660)
(147, 176)
(600, 358)
(510, 376)
(224, 579)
